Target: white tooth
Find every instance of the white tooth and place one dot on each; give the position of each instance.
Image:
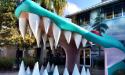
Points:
(56, 72)
(77, 39)
(84, 42)
(46, 22)
(83, 71)
(75, 70)
(34, 21)
(65, 71)
(48, 67)
(67, 35)
(45, 72)
(22, 69)
(56, 34)
(52, 68)
(44, 37)
(41, 70)
(51, 41)
(88, 72)
(22, 26)
(28, 72)
(36, 69)
(38, 37)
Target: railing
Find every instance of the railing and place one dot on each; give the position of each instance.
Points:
(50, 69)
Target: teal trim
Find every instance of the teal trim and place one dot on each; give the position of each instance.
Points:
(120, 65)
(32, 7)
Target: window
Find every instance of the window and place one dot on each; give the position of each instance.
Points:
(80, 21)
(123, 7)
(74, 20)
(123, 11)
(109, 14)
(86, 20)
(87, 57)
(118, 12)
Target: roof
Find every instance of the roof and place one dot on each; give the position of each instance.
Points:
(94, 7)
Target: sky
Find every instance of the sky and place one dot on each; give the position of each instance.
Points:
(78, 5)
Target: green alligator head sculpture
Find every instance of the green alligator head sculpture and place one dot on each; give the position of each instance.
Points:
(32, 7)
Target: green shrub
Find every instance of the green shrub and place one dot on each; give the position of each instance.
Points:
(6, 63)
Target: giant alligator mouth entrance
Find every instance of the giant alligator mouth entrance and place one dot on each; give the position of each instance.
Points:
(58, 30)
(63, 24)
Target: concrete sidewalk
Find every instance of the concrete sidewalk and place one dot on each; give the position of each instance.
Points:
(9, 73)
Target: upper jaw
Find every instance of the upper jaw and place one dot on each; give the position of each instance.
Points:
(23, 7)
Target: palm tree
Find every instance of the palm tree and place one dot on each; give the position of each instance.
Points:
(99, 26)
(57, 5)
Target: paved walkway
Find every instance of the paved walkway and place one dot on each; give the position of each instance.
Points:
(98, 72)
(9, 73)
(95, 72)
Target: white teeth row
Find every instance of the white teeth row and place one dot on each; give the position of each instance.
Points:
(48, 69)
(34, 22)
